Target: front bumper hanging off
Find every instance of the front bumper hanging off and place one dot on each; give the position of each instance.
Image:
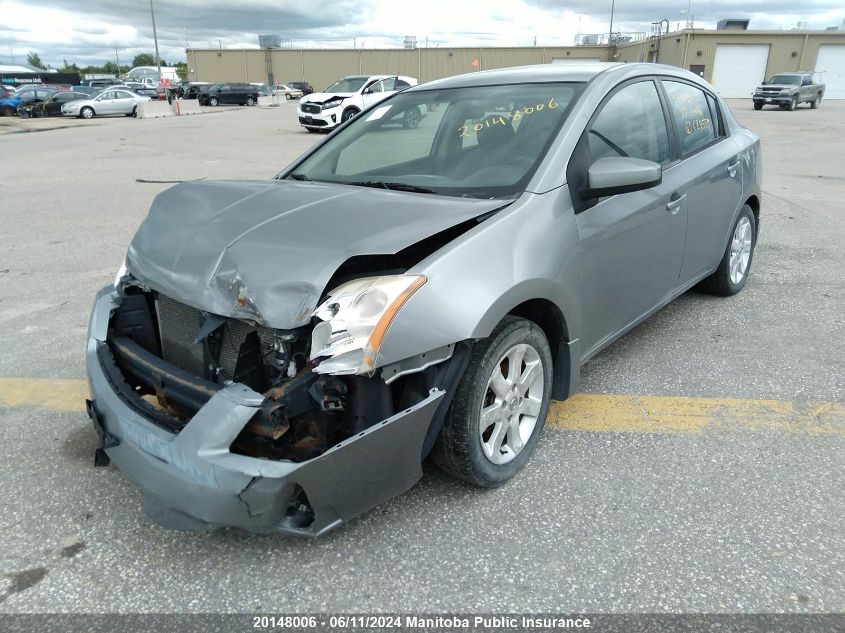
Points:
(190, 480)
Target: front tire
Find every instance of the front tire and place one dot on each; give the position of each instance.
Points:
(758, 106)
(733, 271)
(348, 114)
(793, 104)
(87, 113)
(500, 406)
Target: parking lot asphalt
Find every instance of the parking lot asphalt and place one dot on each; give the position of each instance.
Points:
(701, 471)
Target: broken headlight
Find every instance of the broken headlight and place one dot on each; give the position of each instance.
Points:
(355, 318)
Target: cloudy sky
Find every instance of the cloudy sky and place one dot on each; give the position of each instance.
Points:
(58, 29)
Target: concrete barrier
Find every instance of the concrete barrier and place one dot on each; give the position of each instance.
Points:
(186, 106)
(154, 109)
(268, 101)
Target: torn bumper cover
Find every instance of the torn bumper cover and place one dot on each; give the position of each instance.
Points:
(190, 480)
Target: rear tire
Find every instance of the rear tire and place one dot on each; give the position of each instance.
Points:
(500, 406)
(815, 102)
(726, 281)
(212, 101)
(250, 101)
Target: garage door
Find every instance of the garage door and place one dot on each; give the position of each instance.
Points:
(831, 64)
(739, 68)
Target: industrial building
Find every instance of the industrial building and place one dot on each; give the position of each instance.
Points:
(734, 60)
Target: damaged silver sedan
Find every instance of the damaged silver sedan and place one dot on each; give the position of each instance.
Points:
(283, 355)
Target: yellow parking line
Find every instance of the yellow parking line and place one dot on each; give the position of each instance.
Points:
(582, 412)
(44, 393)
(667, 414)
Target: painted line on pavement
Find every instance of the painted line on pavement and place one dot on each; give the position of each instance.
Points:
(582, 412)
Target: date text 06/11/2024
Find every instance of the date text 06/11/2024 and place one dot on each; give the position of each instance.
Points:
(420, 622)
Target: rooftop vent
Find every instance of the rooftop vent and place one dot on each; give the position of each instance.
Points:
(732, 24)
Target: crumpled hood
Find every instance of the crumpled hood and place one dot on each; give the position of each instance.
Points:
(265, 250)
(322, 97)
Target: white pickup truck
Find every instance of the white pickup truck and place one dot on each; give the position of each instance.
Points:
(787, 90)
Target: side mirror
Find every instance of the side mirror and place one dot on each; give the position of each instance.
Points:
(610, 176)
(765, 83)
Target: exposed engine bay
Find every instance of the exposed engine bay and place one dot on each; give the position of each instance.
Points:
(174, 358)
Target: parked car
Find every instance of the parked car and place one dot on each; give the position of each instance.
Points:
(104, 82)
(138, 89)
(345, 98)
(263, 89)
(108, 102)
(9, 106)
(192, 90)
(229, 93)
(51, 106)
(304, 86)
(287, 91)
(308, 341)
(788, 90)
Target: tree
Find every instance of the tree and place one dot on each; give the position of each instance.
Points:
(111, 68)
(143, 59)
(33, 59)
(182, 71)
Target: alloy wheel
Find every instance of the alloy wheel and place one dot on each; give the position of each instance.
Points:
(740, 250)
(512, 403)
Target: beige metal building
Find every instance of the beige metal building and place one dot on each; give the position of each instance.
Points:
(733, 61)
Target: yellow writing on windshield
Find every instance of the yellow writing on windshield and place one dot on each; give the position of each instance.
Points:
(516, 115)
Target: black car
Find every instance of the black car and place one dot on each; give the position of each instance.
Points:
(192, 90)
(230, 93)
(51, 106)
(304, 86)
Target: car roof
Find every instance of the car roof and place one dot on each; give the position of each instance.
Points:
(562, 72)
(536, 73)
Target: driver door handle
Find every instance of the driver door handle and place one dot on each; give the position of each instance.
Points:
(732, 169)
(674, 205)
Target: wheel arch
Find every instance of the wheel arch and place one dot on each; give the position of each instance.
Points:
(550, 319)
(754, 203)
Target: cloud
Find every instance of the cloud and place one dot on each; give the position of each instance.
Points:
(59, 30)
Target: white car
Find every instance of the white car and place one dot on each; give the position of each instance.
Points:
(345, 98)
(105, 103)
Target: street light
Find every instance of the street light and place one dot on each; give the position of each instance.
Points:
(155, 38)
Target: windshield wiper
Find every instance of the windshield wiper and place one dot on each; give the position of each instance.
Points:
(395, 186)
(299, 177)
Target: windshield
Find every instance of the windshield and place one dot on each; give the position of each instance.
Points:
(483, 141)
(347, 84)
(789, 80)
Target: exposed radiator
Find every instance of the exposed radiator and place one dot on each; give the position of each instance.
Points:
(178, 325)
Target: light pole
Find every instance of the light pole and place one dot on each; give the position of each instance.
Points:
(155, 39)
(610, 34)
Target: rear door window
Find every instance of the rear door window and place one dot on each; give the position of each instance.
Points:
(695, 124)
